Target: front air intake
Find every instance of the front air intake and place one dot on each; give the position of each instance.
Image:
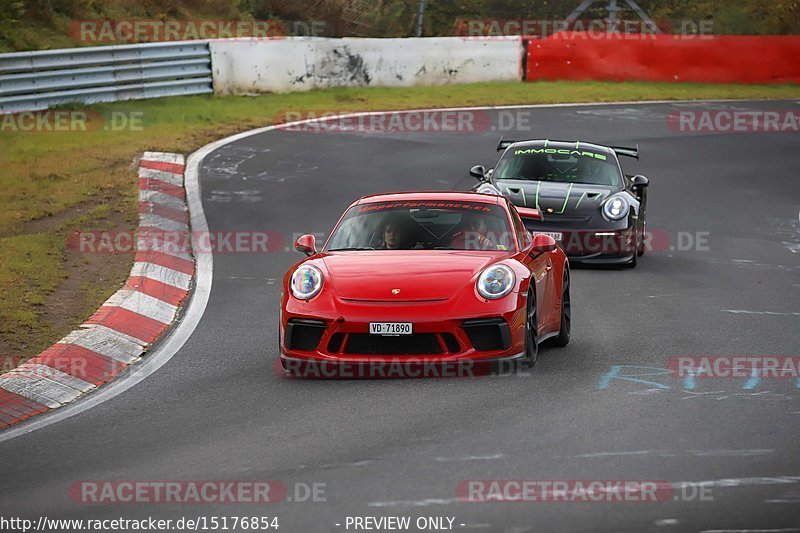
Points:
(304, 334)
(488, 334)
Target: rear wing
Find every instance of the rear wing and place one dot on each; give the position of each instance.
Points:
(626, 151)
(528, 213)
(502, 144)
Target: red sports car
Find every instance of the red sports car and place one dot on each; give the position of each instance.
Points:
(428, 277)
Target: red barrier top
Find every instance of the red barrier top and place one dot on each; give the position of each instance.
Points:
(649, 57)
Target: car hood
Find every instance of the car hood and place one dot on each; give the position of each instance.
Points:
(417, 274)
(561, 198)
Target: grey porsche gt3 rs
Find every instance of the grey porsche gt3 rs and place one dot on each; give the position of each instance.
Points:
(593, 209)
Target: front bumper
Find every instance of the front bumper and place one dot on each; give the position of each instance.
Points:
(337, 331)
(602, 246)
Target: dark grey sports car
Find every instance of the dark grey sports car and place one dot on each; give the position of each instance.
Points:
(588, 204)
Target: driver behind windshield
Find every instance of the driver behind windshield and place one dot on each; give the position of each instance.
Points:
(396, 233)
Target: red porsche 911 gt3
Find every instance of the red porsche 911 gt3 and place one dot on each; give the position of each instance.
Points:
(430, 277)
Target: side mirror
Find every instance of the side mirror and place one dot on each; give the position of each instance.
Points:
(639, 182)
(543, 243)
(478, 172)
(306, 244)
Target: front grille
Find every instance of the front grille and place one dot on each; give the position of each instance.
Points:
(488, 334)
(416, 344)
(304, 334)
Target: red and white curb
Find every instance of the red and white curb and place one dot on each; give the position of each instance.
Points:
(119, 333)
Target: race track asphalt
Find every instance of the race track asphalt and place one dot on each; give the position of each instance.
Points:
(218, 410)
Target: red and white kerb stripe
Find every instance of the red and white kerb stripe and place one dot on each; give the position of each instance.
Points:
(119, 333)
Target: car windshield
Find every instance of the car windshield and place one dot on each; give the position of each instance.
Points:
(559, 165)
(423, 225)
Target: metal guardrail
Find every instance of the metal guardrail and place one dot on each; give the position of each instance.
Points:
(37, 80)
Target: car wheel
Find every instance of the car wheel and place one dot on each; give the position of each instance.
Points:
(635, 256)
(566, 315)
(531, 331)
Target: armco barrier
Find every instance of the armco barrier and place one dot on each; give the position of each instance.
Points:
(617, 57)
(37, 80)
(282, 65)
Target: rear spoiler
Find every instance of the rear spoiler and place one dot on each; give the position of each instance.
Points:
(529, 212)
(502, 144)
(626, 151)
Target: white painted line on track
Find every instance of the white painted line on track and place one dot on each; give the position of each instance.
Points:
(780, 530)
(470, 458)
(765, 313)
(616, 454)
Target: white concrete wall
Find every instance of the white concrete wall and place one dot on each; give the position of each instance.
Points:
(282, 65)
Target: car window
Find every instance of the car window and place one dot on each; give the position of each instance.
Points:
(423, 225)
(559, 165)
(523, 237)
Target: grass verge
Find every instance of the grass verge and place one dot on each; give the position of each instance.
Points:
(54, 183)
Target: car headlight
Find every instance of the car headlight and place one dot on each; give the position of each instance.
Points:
(495, 282)
(306, 282)
(616, 208)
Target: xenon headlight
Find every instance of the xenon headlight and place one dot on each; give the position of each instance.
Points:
(495, 282)
(306, 282)
(616, 207)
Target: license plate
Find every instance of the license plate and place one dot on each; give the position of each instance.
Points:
(390, 328)
(555, 235)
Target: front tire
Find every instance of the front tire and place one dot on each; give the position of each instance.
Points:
(642, 238)
(635, 248)
(531, 331)
(566, 314)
